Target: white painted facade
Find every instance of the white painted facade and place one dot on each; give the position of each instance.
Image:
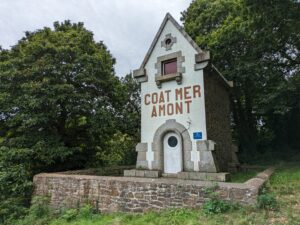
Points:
(179, 136)
(173, 104)
(195, 120)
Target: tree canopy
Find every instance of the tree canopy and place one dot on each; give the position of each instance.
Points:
(61, 107)
(255, 44)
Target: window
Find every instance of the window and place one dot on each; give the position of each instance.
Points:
(172, 141)
(169, 66)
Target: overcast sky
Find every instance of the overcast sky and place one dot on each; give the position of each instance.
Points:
(127, 27)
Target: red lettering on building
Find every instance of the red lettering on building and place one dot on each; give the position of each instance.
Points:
(147, 101)
(161, 110)
(187, 92)
(178, 94)
(182, 97)
(154, 114)
(188, 105)
(161, 97)
(154, 98)
(178, 108)
(168, 95)
(196, 91)
(170, 109)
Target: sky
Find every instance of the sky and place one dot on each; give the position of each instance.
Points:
(127, 27)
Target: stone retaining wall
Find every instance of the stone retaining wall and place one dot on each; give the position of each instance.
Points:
(133, 194)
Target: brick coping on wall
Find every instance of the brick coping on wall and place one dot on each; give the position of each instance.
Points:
(136, 194)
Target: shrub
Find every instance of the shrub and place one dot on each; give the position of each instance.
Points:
(70, 214)
(267, 201)
(40, 207)
(116, 150)
(214, 206)
(38, 214)
(86, 211)
(10, 209)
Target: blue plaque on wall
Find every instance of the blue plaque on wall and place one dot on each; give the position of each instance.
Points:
(197, 135)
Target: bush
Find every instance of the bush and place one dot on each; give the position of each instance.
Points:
(40, 207)
(117, 148)
(38, 214)
(70, 214)
(267, 201)
(10, 209)
(214, 206)
(85, 212)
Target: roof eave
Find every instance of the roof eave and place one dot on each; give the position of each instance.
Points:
(155, 40)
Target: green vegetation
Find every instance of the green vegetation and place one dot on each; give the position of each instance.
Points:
(62, 107)
(242, 177)
(214, 205)
(279, 203)
(255, 43)
(267, 201)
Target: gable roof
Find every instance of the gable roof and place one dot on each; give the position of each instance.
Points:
(167, 18)
(140, 74)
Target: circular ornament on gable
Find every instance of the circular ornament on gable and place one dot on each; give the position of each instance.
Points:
(168, 41)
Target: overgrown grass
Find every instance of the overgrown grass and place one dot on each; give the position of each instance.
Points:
(241, 177)
(282, 191)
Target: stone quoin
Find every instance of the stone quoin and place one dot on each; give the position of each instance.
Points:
(185, 113)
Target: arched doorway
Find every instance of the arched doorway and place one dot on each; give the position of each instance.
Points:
(173, 162)
(171, 126)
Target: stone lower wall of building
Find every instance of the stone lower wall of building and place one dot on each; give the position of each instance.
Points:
(217, 108)
(132, 194)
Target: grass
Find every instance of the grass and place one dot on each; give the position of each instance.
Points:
(241, 177)
(284, 185)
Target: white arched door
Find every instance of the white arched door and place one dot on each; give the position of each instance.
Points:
(172, 153)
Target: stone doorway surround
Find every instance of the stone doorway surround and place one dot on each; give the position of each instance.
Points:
(157, 145)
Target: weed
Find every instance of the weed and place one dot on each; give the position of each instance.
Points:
(39, 207)
(38, 214)
(86, 212)
(214, 206)
(267, 201)
(70, 214)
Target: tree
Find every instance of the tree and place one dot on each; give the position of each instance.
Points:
(58, 100)
(130, 120)
(131, 112)
(255, 44)
(119, 149)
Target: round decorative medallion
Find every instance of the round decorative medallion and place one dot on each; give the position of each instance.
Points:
(172, 141)
(168, 41)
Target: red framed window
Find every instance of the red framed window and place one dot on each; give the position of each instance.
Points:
(169, 66)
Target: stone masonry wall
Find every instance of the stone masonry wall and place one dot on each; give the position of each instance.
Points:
(217, 110)
(132, 194)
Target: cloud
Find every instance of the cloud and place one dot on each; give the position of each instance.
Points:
(127, 27)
